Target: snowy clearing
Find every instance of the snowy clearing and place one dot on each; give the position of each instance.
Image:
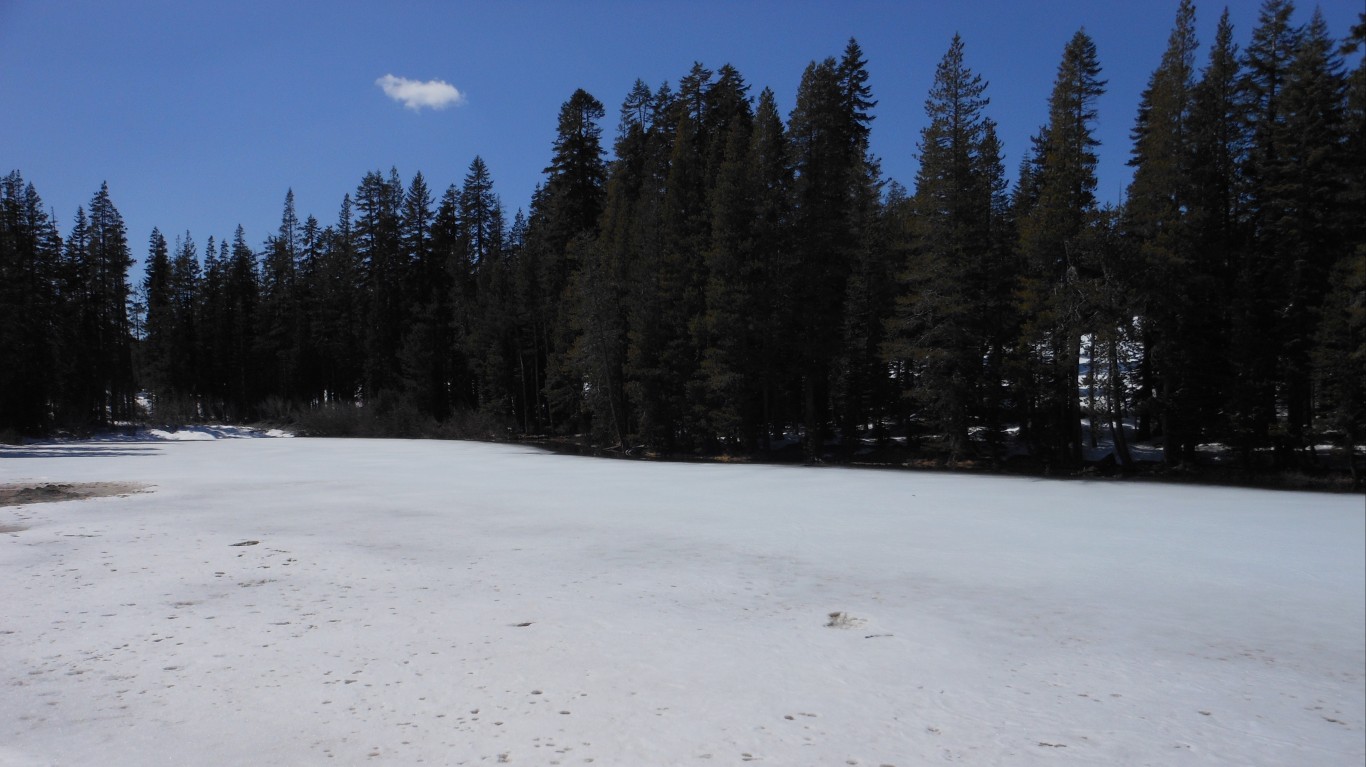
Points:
(308, 601)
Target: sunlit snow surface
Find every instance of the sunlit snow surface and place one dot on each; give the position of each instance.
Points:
(454, 603)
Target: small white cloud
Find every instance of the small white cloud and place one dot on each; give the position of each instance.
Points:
(436, 94)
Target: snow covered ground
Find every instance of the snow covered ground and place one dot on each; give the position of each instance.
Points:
(286, 602)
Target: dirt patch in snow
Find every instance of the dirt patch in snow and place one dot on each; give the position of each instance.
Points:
(16, 494)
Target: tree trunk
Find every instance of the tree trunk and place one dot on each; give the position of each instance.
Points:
(1117, 409)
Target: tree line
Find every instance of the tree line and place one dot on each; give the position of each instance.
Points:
(727, 280)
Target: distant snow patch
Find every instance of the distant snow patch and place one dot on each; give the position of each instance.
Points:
(199, 433)
(206, 433)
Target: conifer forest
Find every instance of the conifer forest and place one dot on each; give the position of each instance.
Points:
(699, 274)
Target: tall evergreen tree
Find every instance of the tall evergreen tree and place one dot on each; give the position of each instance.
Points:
(426, 325)
(859, 393)
(1339, 355)
(243, 385)
(210, 295)
(184, 343)
(386, 275)
(32, 322)
(680, 285)
(731, 348)
(1314, 227)
(1259, 281)
(635, 246)
(1217, 224)
(339, 311)
(485, 299)
(280, 312)
(563, 223)
(1179, 293)
(945, 318)
(819, 131)
(155, 355)
(770, 177)
(1051, 292)
(602, 290)
(98, 293)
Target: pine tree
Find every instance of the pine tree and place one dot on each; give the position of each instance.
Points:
(279, 315)
(385, 277)
(576, 175)
(728, 105)
(108, 394)
(243, 387)
(339, 311)
(490, 339)
(308, 281)
(76, 367)
(635, 244)
(1216, 221)
(209, 295)
(1259, 279)
(32, 324)
(602, 290)
(731, 349)
(562, 224)
(1051, 292)
(1316, 229)
(156, 358)
(943, 320)
(819, 131)
(680, 286)
(617, 291)
(425, 355)
(487, 325)
(185, 375)
(598, 352)
(770, 179)
(859, 392)
(1178, 295)
(519, 286)
(1339, 355)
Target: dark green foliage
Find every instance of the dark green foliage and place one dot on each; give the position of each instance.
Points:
(95, 368)
(425, 355)
(769, 316)
(31, 309)
(1339, 356)
(562, 225)
(949, 321)
(733, 282)
(385, 271)
(1052, 290)
(1298, 225)
(1176, 288)
(279, 333)
(156, 355)
(827, 161)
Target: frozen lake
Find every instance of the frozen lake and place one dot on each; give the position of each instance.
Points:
(298, 601)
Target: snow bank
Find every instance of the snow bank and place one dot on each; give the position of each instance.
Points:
(279, 602)
(204, 433)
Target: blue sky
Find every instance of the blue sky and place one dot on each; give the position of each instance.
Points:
(201, 115)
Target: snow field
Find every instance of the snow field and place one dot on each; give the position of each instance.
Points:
(412, 602)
